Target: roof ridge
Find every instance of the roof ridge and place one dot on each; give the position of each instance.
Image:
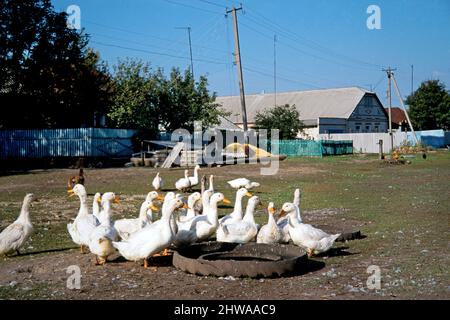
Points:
(300, 91)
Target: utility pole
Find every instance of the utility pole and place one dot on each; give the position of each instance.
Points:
(190, 47)
(237, 56)
(275, 67)
(389, 74)
(397, 90)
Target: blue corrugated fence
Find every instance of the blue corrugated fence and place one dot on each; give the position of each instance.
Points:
(79, 142)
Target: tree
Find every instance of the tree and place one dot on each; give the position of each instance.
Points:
(132, 104)
(149, 101)
(429, 106)
(284, 118)
(183, 102)
(48, 76)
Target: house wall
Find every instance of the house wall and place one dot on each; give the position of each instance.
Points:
(368, 116)
(368, 142)
(310, 133)
(332, 125)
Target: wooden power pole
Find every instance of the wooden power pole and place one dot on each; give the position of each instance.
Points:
(389, 74)
(237, 56)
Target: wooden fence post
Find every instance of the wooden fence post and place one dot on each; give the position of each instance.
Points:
(380, 152)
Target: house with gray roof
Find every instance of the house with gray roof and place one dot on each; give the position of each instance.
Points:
(338, 110)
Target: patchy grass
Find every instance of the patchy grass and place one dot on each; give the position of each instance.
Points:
(403, 209)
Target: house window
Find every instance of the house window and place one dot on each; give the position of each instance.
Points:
(376, 129)
(357, 128)
(367, 128)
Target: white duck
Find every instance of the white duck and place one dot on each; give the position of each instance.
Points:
(17, 233)
(270, 233)
(184, 183)
(126, 227)
(80, 230)
(157, 182)
(96, 205)
(237, 213)
(185, 224)
(313, 240)
(242, 231)
(151, 239)
(191, 211)
(211, 183)
(283, 222)
(297, 197)
(194, 180)
(167, 199)
(243, 183)
(203, 226)
(101, 238)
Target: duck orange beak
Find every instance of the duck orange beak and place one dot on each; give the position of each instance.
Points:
(248, 194)
(272, 210)
(116, 199)
(71, 192)
(185, 206)
(225, 200)
(282, 213)
(160, 198)
(154, 208)
(99, 200)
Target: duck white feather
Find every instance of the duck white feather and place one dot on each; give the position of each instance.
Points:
(96, 205)
(101, 238)
(242, 231)
(312, 239)
(194, 179)
(80, 230)
(201, 227)
(283, 222)
(126, 227)
(184, 183)
(237, 213)
(270, 233)
(151, 239)
(191, 210)
(243, 183)
(157, 182)
(16, 234)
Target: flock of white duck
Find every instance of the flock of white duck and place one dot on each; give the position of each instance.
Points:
(196, 221)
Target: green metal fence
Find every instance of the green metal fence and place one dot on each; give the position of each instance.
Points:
(310, 148)
(333, 148)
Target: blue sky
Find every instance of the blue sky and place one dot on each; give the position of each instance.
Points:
(320, 44)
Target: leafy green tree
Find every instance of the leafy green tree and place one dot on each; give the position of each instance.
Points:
(183, 101)
(149, 101)
(284, 118)
(429, 106)
(132, 104)
(46, 69)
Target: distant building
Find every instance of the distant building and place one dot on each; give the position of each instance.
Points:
(398, 119)
(339, 110)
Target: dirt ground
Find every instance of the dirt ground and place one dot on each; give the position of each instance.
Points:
(403, 211)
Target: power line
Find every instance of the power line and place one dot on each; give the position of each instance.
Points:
(191, 7)
(314, 43)
(378, 82)
(158, 53)
(304, 52)
(171, 41)
(213, 3)
(281, 78)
